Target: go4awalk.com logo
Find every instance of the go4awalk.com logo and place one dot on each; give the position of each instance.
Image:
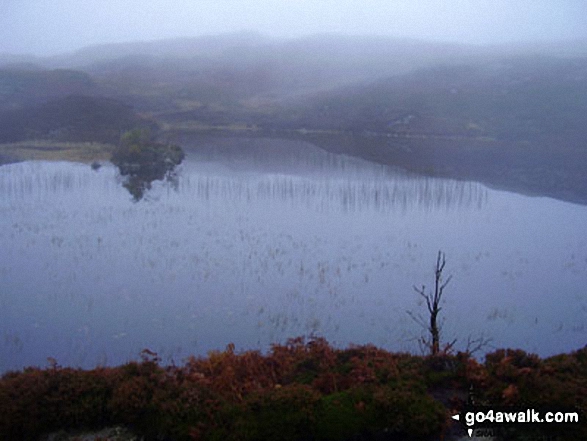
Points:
(484, 420)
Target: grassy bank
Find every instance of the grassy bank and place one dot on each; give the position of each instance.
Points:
(302, 390)
(55, 151)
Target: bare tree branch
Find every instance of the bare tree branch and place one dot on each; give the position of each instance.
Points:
(433, 305)
(418, 319)
(477, 344)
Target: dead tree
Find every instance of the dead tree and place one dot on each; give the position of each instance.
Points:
(433, 304)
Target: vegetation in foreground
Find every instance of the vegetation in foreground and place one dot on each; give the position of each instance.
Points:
(302, 390)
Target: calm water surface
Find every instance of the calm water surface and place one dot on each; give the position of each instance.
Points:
(264, 240)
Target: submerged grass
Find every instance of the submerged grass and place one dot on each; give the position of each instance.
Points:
(302, 390)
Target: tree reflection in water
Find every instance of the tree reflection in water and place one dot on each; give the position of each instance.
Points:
(142, 161)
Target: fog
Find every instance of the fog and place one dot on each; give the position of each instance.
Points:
(56, 26)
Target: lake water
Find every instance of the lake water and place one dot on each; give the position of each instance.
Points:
(263, 240)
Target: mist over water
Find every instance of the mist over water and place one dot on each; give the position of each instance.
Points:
(260, 241)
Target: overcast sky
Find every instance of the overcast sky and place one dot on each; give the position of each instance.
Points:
(46, 27)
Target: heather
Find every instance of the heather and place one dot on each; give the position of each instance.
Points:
(305, 389)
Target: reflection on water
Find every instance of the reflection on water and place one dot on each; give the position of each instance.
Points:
(141, 161)
(328, 190)
(20, 182)
(343, 193)
(260, 242)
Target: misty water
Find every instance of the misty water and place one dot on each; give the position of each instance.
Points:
(258, 241)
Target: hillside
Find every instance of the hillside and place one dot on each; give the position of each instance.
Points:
(34, 85)
(231, 70)
(71, 118)
(518, 99)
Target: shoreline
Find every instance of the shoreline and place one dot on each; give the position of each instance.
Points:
(512, 168)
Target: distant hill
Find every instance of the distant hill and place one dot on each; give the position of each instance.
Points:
(69, 118)
(175, 74)
(245, 69)
(33, 85)
(518, 99)
(9, 60)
